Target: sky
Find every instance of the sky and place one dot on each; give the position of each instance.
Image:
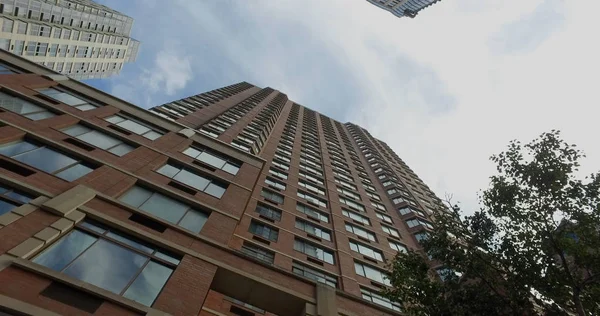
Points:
(445, 90)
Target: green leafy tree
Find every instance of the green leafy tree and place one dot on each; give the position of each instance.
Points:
(532, 249)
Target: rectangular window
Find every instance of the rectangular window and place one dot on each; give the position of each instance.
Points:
(258, 253)
(361, 232)
(313, 229)
(218, 161)
(272, 196)
(11, 199)
(264, 231)
(376, 298)
(378, 206)
(311, 187)
(397, 246)
(357, 217)
(278, 173)
(46, 159)
(384, 218)
(315, 275)
(194, 180)
(371, 273)
(165, 208)
(111, 260)
(353, 205)
(275, 184)
(346, 184)
(280, 165)
(349, 193)
(134, 127)
(390, 231)
(314, 251)
(311, 212)
(268, 212)
(366, 250)
(69, 99)
(310, 177)
(311, 198)
(416, 222)
(24, 108)
(98, 139)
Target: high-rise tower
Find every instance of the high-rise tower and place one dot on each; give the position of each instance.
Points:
(400, 8)
(237, 201)
(79, 38)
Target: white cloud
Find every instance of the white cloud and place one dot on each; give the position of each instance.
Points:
(171, 72)
(445, 90)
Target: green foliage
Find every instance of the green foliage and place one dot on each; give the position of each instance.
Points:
(532, 249)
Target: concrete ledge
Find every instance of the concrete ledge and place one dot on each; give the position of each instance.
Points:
(56, 78)
(187, 132)
(326, 300)
(63, 224)
(5, 261)
(47, 234)
(76, 216)
(39, 201)
(25, 209)
(26, 248)
(68, 201)
(8, 218)
(14, 305)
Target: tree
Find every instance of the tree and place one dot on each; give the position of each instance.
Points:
(533, 248)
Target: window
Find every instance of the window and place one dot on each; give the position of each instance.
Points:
(218, 161)
(194, 180)
(258, 253)
(352, 204)
(397, 246)
(416, 222)
(279, 174)
(378, 206)
(313, 274)
(11, 199)
(372, 296)
(165, 208)
(357, 217)
(311, 170)
(272, 196)
(371, 273)
(361, 232)
(111, 260)
(69, 99)
(346, 184)
(264, 231)
(311, 198)
(280, 165)
(98, 139)
(275, 184)
(384, 218)
(366, 251)
(348, 193)
(421, 236)
(22, 107)
(46, 159)
(311, 187)
(390, 231)
(311, 212)
(313, 229)
(134, 127)
(312, 250)
(373, 196)
(268, 212)
(310, 177)
(408, 210)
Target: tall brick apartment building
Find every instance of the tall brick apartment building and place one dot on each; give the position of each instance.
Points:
(236, 201)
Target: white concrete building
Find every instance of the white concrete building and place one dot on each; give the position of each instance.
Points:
(79, 38)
